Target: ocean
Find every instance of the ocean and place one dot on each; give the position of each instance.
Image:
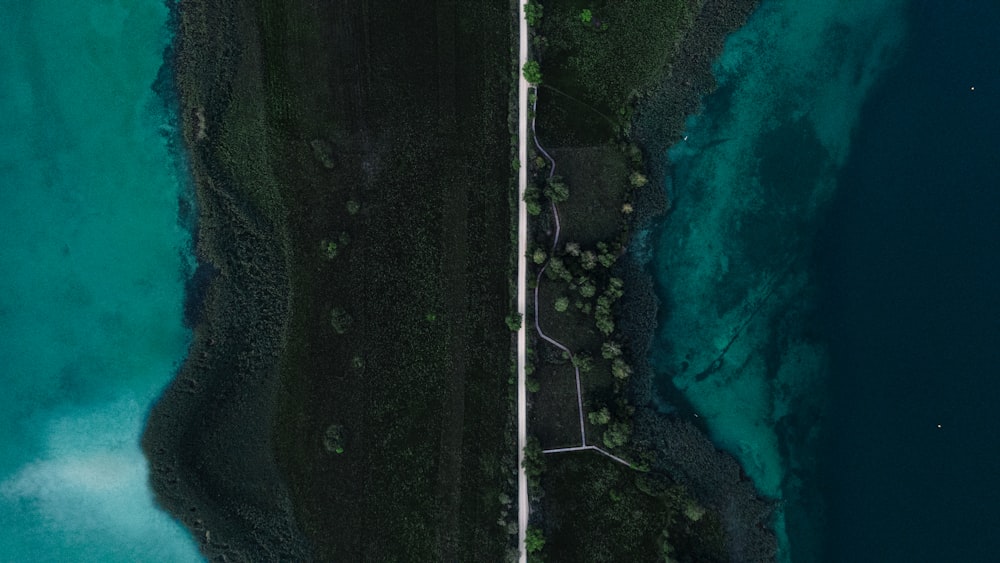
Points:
(910, 263)
(95, 257)
(826, 274)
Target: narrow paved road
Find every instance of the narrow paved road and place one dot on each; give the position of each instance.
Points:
(522, 286)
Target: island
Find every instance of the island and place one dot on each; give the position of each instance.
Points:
(351, 389)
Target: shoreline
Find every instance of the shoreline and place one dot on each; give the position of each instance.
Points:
(675, 448)
(276, 168)
(213, 461)
(682, 444)
(203, 436)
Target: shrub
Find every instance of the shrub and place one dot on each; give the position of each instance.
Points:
(532, 385)
(532, 72)
(514, 322)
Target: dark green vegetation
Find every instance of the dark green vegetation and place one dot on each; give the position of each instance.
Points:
(352, 162)
(604, 63)
(640, 517)
(598, 58)
(414, 110)
(584, 118)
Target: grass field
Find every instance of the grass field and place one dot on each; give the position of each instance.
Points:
(411, 126)
(370, 143)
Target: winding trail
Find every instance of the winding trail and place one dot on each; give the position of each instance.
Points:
(538, 280)
(522, 270)
(538, 328)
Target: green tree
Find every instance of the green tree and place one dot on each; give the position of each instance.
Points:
(638, 180)
(330, 249)
(558, 192)
(600, 417)
(333, 439)
(586, 16)
(616, 288)
(532, 72)
(514, 322)
(605, 255)
(620, 369)
(340, 320)
(534, 459)
(602, 315)
(561, 304)
(353, 207)
(532, 197)
(583, 362)
(610, 350)
(534, 541)
(532, 385)
(616, 435)
(557, 270)
(533, 13)
(538, 256)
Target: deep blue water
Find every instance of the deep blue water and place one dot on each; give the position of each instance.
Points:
(829, 274)
(910, 262)
(93, 258)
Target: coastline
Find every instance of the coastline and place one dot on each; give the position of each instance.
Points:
(206, 439)
(281, 161)
(212, 455)
(681, 445)
(671, 448)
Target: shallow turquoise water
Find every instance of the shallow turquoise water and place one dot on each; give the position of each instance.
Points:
(750, 185)
(92, 289)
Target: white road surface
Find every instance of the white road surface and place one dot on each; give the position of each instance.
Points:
(522, 289)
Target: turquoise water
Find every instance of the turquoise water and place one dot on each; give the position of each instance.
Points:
(733, 261)
(92, 289)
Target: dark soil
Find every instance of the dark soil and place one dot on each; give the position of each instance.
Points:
(382, 129)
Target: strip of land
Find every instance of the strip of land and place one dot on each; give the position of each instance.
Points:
(349, 393)
(608, 125)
